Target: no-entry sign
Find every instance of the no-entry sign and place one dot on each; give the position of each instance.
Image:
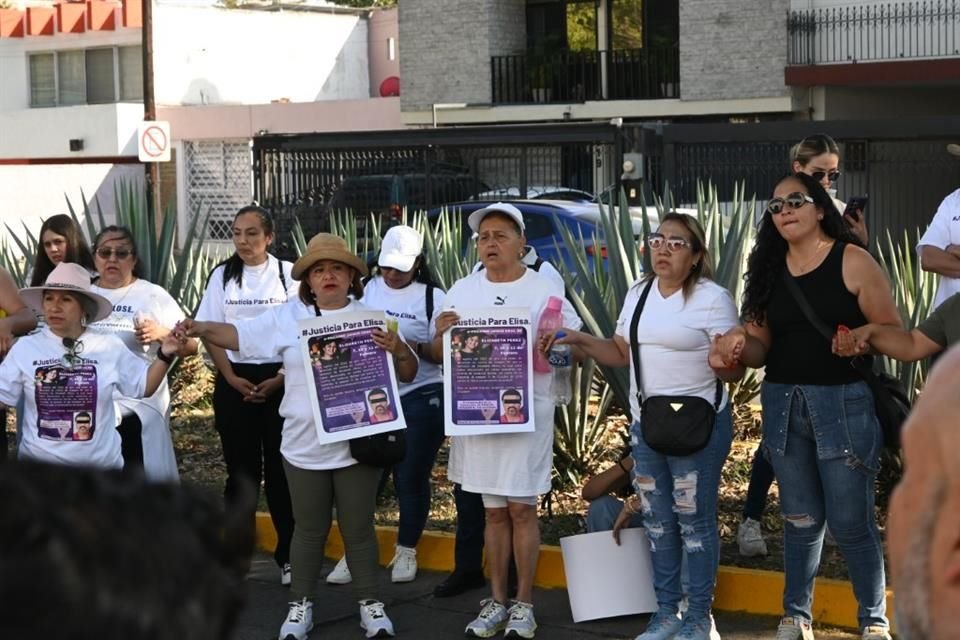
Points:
(153, 141)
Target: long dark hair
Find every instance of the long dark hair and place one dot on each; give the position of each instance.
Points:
(77, 249)
(768, 258)
(421, 272)
(125, 234)
(233, 266)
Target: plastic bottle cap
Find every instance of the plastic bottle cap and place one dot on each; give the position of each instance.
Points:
(554, 303)
(559, 334)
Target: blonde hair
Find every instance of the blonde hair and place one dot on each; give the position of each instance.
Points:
(811, 147)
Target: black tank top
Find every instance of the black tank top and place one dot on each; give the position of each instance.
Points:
(798, 353)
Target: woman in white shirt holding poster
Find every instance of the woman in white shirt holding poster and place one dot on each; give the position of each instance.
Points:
(143, 315)
(321, 476)
(68, 374)
(247, 391)
(510, 470)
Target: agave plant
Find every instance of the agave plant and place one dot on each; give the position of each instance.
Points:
(181, 271)
(913, 292)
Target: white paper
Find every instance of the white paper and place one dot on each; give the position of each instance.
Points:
(605, 580)
(353, 389)
(488, 372)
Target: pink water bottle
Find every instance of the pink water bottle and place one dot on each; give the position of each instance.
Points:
(550, 320)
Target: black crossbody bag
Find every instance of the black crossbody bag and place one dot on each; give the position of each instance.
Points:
(671, 425)
(890, 399)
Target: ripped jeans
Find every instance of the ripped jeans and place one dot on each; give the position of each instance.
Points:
(678, 496)
(824, 444)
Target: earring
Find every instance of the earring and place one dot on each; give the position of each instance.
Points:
(820, 217)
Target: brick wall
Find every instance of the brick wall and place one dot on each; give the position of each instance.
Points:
(445, 48)
(732, 49)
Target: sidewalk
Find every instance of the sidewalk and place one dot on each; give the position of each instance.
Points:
(416, 614)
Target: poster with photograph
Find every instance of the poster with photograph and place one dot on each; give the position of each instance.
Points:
(66, 400)
(354, 391)
(488, 372)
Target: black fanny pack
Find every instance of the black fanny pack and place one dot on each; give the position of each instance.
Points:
(671, 425)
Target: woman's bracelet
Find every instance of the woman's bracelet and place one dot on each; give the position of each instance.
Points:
(629, 505)
(168, 359)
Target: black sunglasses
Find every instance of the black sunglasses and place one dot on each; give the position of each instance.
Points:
(792, 201)
(107, 252)
(833, 176)
(74, 348)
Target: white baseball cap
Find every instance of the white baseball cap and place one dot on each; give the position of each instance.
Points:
(401, 247)
(501, 207)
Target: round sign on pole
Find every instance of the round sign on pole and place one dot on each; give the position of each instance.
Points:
(153, 141)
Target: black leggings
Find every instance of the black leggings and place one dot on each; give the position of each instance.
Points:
(250, 435)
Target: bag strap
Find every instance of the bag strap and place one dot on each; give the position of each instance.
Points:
(430, 289)
(861, 367)
(635, 351)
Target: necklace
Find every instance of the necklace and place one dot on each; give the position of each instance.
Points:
(816, 252)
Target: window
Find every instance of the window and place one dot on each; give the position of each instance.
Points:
(43, 80)
(86, 76)
(537, 226)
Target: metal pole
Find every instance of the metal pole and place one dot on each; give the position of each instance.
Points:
(152, 170)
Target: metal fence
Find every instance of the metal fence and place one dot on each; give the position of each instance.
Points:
(578, 76)
(306, 177)
(874, 32)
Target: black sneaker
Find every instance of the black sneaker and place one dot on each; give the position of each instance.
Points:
(459, 582)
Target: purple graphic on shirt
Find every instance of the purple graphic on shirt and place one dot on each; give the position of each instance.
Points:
(66, 401)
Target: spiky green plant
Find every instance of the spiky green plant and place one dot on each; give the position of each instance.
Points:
(913, 292)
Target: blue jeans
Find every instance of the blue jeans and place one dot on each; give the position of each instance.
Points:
(678, 497)
(471, 521)
(761, 477)
(826, 472)
(602, 514)
(423, 411)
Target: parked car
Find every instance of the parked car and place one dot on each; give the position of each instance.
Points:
(542, 219)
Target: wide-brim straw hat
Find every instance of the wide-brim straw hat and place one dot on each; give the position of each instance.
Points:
(326, 246)
(67, 276)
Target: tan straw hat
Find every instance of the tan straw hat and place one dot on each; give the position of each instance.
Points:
(68, 276)
(326, 246)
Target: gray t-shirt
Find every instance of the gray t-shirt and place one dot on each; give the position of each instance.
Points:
(943, 325)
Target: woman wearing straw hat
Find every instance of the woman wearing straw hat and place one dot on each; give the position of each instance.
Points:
(89, 367)
(321, 477)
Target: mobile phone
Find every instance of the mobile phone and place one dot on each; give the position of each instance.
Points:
(854, 206)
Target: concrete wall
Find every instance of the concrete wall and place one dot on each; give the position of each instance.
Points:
(106, 130)
(854, 103)
(732, 49)
(208, 55)
(447, 45)
(383, 27)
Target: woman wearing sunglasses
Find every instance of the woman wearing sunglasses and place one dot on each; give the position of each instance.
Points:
(820, 430)
(676, 495)
(818, 156)
(143, 315)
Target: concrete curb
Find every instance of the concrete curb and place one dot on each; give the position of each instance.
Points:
(742, 590)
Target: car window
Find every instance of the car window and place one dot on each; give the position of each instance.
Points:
(537, 226)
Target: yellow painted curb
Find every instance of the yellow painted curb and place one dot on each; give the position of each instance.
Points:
(747, 590)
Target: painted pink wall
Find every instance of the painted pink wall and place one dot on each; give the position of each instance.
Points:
(220, 122)
(382, 25)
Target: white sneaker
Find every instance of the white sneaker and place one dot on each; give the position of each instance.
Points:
(374, 620)
(521, 624)
(299, 621)
(794, 628)
(491, 621)
(750, 539)
(404, 564)
(340, 573)
(875, 632)
(286, 576)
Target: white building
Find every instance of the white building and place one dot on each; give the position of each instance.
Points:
(72, 92)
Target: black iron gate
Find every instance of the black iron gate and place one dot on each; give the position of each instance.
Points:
(306, 177)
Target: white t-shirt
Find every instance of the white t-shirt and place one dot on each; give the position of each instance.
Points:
(159, 459)
(530, 259)
(274, 333)
(262, 288)
(409, 307)
(55, 395)
(943, 231)
(509, 464)
(674, 337)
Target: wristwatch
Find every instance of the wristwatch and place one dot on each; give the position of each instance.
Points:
(168, 359)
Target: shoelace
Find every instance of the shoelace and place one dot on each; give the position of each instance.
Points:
(489, 609)
(298, 611)
(375, 610)
(518, 613)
